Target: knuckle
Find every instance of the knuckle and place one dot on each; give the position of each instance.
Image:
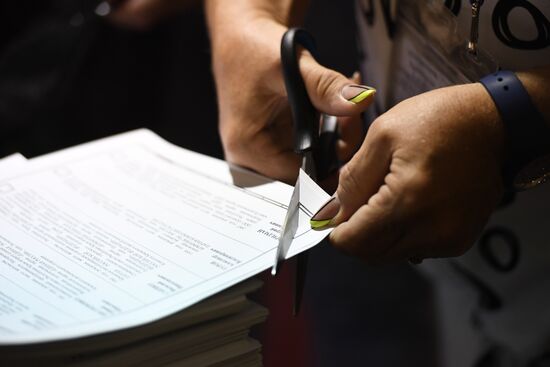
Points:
(326, 82)
(381, 130)
(378, 124)
(416, 190)
(419, 182)
(348, 183)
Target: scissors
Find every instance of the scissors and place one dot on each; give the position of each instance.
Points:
(314, 141)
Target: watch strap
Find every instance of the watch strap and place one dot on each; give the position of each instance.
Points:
(527, 134)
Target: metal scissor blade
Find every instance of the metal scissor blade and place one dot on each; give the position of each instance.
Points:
(290, 226)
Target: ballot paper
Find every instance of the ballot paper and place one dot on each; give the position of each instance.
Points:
(10, 164)
(129, 229)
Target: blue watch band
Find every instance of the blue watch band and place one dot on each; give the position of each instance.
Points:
(527, 134)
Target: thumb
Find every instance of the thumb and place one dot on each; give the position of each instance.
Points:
(331, 92)
(359, 180)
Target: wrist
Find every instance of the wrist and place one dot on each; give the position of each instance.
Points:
(230, 19)
(481, 110)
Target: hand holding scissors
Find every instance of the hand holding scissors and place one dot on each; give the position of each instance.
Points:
(314, 140)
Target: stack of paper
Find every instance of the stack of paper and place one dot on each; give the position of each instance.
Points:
(211, 333)
(109, 253)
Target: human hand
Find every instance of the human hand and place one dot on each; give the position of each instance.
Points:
(424, 182)
(254, 121)
(142, 14)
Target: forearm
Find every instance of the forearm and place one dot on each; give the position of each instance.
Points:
(227, 15)
(537, 82)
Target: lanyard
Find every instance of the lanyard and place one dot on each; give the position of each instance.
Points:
(474, 29)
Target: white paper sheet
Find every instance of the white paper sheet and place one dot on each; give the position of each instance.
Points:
(123, 231)
(10, 164)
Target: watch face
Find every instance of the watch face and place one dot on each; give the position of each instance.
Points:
(535, 173)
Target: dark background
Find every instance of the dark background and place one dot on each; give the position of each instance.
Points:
(64, 82)
(67, 79)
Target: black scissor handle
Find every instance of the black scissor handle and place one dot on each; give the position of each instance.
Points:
(304, 115)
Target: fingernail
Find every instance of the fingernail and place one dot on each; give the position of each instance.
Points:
(357, 93)
(324, 216)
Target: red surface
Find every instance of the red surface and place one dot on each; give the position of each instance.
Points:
(285, 339)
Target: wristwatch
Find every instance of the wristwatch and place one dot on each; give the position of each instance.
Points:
(527, 146)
